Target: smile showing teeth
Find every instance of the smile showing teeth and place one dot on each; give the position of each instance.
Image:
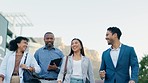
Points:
(74, 47)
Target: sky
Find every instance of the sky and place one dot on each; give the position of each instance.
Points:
(86, 20)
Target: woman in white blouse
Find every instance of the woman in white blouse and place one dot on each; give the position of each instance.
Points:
(79, 67)
(11, 69)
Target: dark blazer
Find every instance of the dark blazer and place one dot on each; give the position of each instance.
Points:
(121, 74)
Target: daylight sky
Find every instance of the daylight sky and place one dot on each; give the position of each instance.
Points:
(85, 19)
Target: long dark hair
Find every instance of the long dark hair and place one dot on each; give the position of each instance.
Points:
(81, 50)
(13, 43)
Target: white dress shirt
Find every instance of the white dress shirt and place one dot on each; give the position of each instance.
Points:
(114, 53)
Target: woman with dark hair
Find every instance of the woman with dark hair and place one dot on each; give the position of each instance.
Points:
(11, 69)
(79, 67)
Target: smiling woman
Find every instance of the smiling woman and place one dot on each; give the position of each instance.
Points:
(13, 73)
(79, 67)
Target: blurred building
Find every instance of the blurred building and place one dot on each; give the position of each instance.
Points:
(7, 33)
(3, 36)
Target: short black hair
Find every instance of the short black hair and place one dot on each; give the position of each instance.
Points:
(48, 33)
(114, 30)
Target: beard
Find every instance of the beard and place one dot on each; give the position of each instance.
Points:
(49, 45)
(109, 43)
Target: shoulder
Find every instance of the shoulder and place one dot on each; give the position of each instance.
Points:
(127, 46)
(28, 55)
(39, 50)
(9, 52)
(106, 51)
(57, 49)
(86, 58)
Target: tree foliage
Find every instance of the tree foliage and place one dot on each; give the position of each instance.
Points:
(143, 70)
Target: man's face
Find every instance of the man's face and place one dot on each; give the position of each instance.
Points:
(49, 40)
(109, 38)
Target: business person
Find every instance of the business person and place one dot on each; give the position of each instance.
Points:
(79, 67)
(44, 56)
(117, 60)
(11, 69)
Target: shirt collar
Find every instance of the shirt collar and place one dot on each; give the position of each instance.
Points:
(47, 48)
(117, 48)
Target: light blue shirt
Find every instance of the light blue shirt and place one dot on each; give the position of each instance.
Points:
(44, 57)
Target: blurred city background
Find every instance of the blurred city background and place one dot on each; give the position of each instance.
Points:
(85, 19)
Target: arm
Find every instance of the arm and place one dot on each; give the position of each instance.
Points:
(59, 67)
(36, 56)
(34, 65)
(3, 67)
(56, 67)
(61, 73)
(102, 68)
(31, 64)
(134, 65)
(90, 72)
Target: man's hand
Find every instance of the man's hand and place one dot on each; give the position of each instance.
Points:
(52, 67)
(131, 81)
(102, 74)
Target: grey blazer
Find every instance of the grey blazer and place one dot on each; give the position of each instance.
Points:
(87, 69)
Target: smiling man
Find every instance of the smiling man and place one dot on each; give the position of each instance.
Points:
(44, 56)
(117, 60)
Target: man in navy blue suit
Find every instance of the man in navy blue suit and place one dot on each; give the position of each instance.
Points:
(118, 59)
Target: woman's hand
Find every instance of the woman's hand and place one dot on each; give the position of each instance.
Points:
(1, 80)
(59, 81)
(23, 66)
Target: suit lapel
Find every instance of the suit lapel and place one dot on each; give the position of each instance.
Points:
(121, 53)
(110, 59)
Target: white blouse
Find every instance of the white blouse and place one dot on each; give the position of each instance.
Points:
(77, 69)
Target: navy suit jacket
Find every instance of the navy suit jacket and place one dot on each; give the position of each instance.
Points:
(127, 58)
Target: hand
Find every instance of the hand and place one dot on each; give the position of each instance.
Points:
(23, 66)
(52, 67)
(131, 81)
(1, 80)
(59, 81)
(31, 69)
(102, 74)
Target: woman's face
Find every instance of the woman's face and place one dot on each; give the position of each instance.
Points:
(75, 45)
(22, 45)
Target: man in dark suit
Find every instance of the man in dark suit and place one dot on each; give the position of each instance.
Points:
(117, 60)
